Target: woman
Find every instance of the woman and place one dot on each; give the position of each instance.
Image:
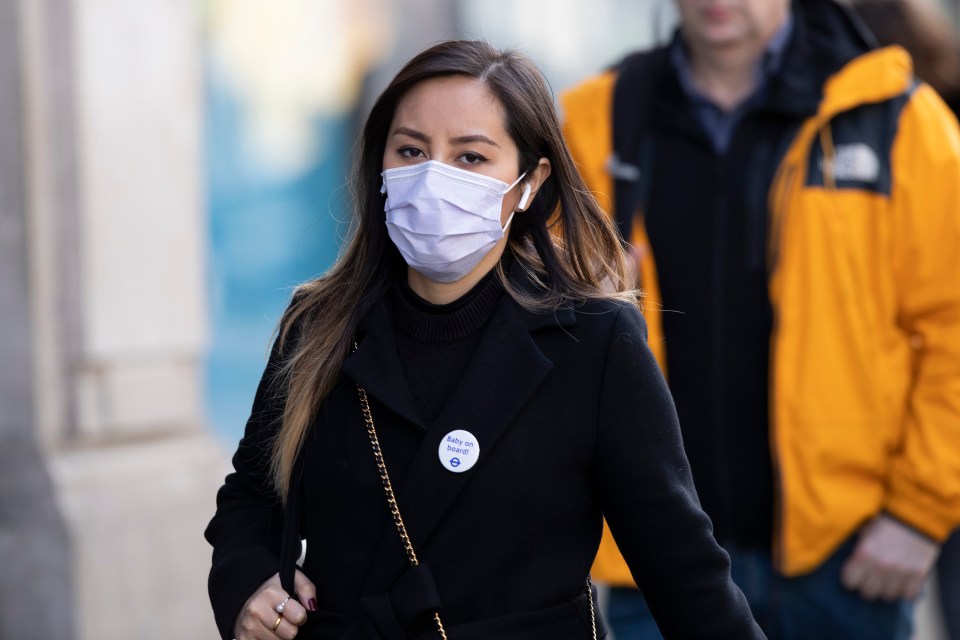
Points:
(449, 412)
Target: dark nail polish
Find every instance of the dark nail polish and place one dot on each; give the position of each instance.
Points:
(312, 605)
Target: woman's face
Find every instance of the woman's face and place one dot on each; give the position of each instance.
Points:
(458, 121)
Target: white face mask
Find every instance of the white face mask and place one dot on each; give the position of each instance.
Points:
(444, 220)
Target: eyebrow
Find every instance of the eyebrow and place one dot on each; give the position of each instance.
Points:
(459, 140)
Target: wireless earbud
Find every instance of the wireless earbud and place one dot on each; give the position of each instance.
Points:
(523, 199)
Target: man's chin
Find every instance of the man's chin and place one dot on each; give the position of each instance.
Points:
(722, 38)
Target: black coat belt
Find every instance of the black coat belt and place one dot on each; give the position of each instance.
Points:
(569, 620)
(412, 601)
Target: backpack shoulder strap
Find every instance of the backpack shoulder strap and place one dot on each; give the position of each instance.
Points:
(631, 165)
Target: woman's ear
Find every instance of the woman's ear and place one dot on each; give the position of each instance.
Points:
(535, 179)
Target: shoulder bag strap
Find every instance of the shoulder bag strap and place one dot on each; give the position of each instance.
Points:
(388, 490)
(398, 519)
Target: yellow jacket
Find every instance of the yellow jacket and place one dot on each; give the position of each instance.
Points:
(865, 287)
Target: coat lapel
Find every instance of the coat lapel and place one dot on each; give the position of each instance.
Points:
(502, 375)
(375, 365)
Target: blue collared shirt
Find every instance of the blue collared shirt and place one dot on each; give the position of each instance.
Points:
(717, 123)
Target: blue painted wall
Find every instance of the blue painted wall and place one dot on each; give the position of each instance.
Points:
(265, 235)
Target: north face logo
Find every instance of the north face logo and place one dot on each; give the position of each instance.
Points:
(855, 162)
(861, 155)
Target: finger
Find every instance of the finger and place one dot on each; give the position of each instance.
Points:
(249, 624)
(259, 634)
(257, 618)
(914, 585)
(852, 573)
(267, 615)
(269, 603)
(272, 625)
(294, 612)
(252, 629)
(285, 630)
(285, 601)
(306, 591)
(894, 585)
(873, 583)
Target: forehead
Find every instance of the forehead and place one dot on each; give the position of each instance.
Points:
(451, 104)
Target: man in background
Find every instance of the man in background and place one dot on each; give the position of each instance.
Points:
(791, 195)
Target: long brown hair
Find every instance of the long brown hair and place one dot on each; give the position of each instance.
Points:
(564, 243)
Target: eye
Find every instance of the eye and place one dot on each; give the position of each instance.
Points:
(411, 153)
(471, 158)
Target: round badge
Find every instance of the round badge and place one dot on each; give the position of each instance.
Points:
(459, 451)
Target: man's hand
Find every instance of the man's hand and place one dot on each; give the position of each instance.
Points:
(891, 561)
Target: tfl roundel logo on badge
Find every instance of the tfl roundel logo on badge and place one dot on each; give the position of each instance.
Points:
(459, 451)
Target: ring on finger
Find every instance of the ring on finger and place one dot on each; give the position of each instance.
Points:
(277, 623)
(280, 607)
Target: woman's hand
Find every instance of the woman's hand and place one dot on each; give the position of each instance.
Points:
(259, 618)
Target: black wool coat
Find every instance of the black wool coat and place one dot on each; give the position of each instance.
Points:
(573, 422)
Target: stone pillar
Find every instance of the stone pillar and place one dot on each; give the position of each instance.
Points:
(35, 583)
(112, 275)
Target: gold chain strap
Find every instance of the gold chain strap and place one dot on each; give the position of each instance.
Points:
(392, 499)
(593, 614)
(398, 519)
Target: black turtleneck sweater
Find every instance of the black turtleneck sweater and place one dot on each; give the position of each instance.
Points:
(435, 342)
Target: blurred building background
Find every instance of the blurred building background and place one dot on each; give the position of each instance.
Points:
(169, 170)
